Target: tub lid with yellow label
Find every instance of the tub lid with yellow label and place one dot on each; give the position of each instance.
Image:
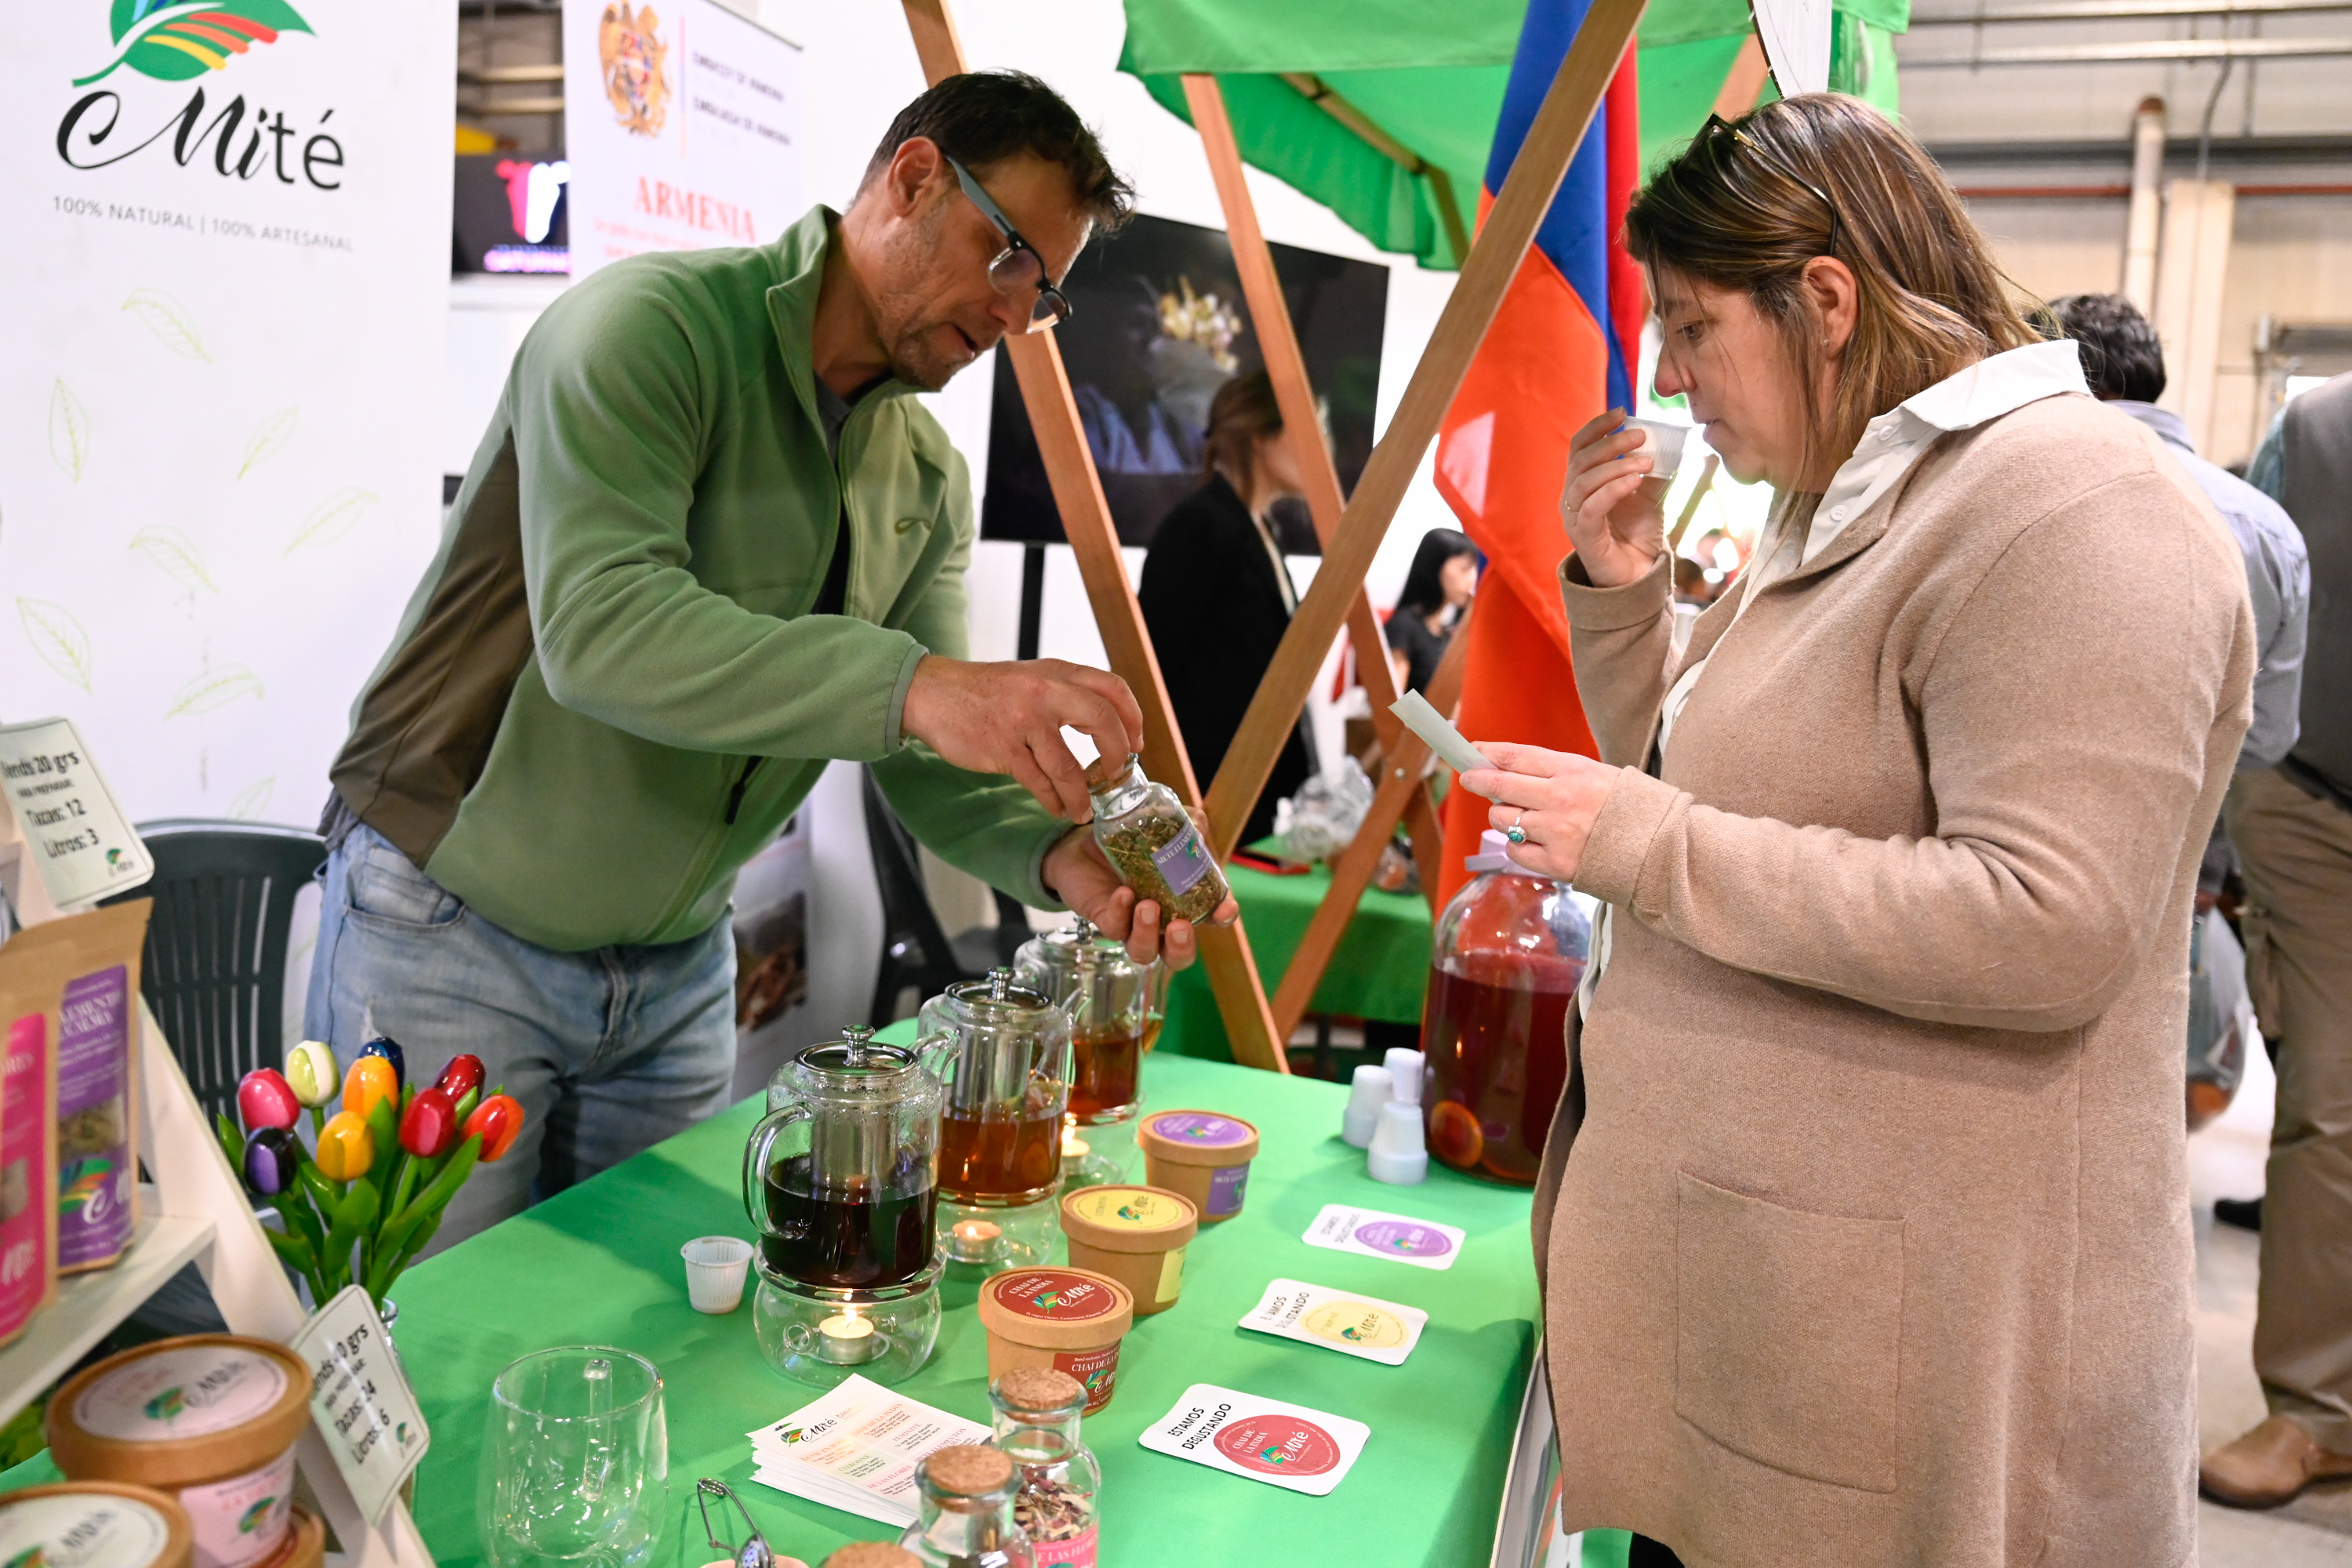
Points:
(95, 1524)
(180, 1412)
(1130, 1218)
(1056, 1309)
(1197, 1138)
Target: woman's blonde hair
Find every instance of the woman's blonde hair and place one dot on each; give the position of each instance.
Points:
(1747, 204)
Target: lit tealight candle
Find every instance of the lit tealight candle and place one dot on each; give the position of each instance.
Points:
(972, 1240)
(846, 1339)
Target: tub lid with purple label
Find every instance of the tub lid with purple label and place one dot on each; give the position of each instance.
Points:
(1197, 1138)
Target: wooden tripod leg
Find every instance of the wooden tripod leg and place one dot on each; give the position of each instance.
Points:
(1403, 782)
(1559, 125)
(1285, 367)
(1094, 539)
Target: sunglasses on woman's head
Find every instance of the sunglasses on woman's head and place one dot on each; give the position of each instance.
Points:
(1719, 129)
(1018, 268)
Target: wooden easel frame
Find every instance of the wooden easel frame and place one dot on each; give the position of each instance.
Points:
(1351, 532)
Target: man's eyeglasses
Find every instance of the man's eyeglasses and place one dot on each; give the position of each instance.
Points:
(754, 1553)
(1018, 268)
(1718, 128)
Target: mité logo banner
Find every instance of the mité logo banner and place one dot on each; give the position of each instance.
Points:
(221, 435)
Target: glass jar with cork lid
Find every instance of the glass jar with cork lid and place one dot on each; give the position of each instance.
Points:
(1153, 842)
(966, 1493)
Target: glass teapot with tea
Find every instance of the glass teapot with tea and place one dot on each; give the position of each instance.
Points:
(1115, 1004)
(839, 1176)
(1001, 1053)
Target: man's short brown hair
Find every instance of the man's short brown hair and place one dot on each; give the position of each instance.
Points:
(986, 117)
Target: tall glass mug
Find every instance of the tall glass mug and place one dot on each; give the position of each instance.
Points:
(575, 1461)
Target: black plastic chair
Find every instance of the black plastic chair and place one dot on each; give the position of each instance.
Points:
(214, 973)
(916, 950)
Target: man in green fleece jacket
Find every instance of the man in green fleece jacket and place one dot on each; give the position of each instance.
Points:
(708, 544)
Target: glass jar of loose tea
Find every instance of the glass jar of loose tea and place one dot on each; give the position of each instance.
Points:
(1151, 842)
(1036, 1411)
(966, 1494)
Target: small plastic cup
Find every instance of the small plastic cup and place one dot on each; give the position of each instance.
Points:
(715, 1269)
(1398, 1154)
(1372, 1088)
(1404, 1074)
(1662, 442)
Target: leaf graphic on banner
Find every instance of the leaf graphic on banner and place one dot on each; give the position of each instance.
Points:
(214, 688)
(174, 554)
(334, 518)
(252, 800)
(68, 431)
(58, 637)
(180, 41)
(267, 437)
(168, 319)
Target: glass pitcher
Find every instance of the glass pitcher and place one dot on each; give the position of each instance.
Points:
(838, 1177)
(1507, 953)
(1115, 1006)
(1002, 1052)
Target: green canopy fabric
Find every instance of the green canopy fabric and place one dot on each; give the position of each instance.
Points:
(1431, 78)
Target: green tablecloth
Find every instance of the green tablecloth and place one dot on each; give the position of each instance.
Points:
(599, 1264)
(1378, 970)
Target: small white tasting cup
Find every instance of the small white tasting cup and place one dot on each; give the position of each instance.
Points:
(715, 1269)
(1663, 443)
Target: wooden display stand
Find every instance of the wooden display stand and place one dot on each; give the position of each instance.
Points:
(197, 1211)
(1351, 530)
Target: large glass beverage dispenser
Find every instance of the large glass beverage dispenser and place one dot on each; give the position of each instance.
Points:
(1509, 950)
(1116, 1005)
(839, 1180)
(1002, 1055)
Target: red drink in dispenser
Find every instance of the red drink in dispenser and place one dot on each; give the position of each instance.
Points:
(1509, 951)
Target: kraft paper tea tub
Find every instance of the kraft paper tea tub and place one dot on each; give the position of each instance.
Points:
(210, 1419)
(95, 1524)
(1135, 1235)
(1070, 1320)
(1203, 1154)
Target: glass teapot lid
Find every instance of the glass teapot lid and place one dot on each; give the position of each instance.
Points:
(1076, 949)
(994, 1002)
(856, 1067)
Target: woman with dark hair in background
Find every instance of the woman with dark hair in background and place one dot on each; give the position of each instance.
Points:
(1439, 587)
(1871, 1246)
(1216, 594)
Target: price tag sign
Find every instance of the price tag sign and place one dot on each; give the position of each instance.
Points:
(360, 1400)
(75, 835)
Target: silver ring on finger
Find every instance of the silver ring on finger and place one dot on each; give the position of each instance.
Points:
(1515, 833)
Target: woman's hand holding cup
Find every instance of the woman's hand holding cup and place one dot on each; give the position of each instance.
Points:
(1615, 512)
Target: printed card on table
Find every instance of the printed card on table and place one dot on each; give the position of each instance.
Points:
(856, 1449)
(1341, 1320)
(1285, 1446)
(1423, 1243)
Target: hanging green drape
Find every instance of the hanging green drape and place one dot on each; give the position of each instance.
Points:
(1430, 77)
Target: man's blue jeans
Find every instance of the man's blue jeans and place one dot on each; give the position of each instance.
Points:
(609, 1051)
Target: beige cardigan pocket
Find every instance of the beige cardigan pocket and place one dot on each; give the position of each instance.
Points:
(1788, 1334)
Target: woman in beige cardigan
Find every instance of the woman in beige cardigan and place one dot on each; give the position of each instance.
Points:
(1867, 1241)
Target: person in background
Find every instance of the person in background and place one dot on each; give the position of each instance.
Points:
(2124, 362)
(1437, 590)
(710, 539)
(1217, 595)
(1870, 1245)
(2292, 824)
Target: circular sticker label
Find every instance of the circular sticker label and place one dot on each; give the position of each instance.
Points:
(90, 1530)
(189, 1393)
(1405, 1238)
(1053, 1295)
(1128, 1208)
(1274, 1444)
(1202, 1128)
(1354, 1323)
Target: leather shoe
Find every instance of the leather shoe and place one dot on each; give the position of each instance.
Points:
(2268, 1466)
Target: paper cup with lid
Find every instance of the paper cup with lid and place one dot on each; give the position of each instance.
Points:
(1070, 1320)
(1203, 1154)
(1135, 1235)
(95, 1524)
(210, 1419)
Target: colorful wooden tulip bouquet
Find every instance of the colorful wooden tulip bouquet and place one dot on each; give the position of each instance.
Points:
(360, 1207)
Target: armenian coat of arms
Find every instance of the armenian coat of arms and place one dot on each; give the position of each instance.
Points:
(629, 45)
